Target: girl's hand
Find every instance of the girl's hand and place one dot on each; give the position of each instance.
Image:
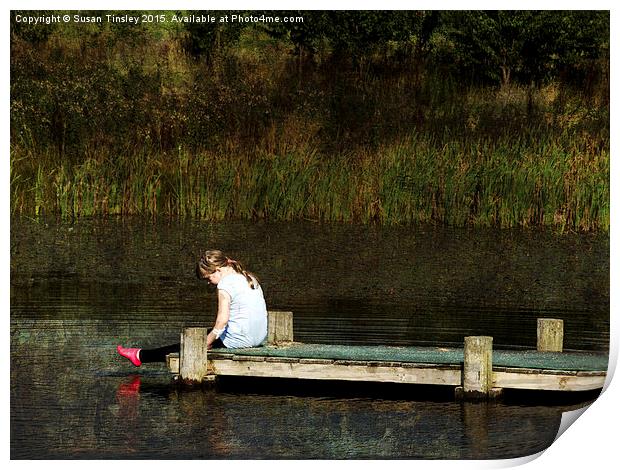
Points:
(210, 339)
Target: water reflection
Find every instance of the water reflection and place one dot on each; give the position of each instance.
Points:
(78, 290)
(351, 284)
(145, 417)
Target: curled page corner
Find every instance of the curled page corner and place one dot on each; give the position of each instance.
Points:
(568, 418)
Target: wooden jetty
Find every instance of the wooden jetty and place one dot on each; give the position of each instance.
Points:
(476, 370)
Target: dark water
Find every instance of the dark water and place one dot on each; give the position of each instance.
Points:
(79, 289)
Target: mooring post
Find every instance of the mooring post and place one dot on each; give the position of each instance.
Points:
(478, 364)
(193, 366)
(550, 335)
(280, 327)
(478, 369)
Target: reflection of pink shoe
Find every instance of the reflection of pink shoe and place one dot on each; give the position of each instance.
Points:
(128, 398)
(129, 389)
(133, 354)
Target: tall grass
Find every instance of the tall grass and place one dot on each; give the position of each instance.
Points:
(259, 135)
(503, 183)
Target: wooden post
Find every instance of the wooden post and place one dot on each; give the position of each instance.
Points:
(280, 327)
(193, 367)
(478, 369)
(550, 333)
(478, 364)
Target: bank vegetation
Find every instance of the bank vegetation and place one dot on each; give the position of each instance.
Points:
(256, 122)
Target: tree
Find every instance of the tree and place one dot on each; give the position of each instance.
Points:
(355, 34)
(205, 38)
(527, 46)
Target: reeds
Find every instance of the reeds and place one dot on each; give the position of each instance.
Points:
(269, 139)
(503, 183)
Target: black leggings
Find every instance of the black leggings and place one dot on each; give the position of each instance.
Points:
(159, 354)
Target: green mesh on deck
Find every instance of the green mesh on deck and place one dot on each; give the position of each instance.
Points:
(526, 359)
(581, 361)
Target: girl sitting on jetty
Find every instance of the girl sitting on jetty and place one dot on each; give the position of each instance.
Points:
(241, 320)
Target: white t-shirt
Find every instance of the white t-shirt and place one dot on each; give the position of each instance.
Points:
(247, 325)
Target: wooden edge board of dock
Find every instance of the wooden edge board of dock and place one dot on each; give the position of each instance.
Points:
(395, 372)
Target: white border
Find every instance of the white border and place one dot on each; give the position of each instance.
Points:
(591, 443)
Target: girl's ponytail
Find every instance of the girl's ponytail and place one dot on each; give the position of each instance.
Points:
(213, 259)
(251, 278)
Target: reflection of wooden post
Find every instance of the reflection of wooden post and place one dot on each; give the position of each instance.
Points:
(476, 422)
(550, 334)
(193, 356)
(280, 327)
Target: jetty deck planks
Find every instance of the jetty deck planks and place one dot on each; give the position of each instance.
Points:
(531, 370)
(476, 370)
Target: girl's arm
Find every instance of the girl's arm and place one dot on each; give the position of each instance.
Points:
(223, 313)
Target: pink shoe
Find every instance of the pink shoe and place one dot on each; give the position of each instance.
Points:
(130, 353)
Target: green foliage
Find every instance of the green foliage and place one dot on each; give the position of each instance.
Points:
(529, 46)
(503, 183)
(204, 39)
(32, 33)
(362, 32)
(347, 116)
